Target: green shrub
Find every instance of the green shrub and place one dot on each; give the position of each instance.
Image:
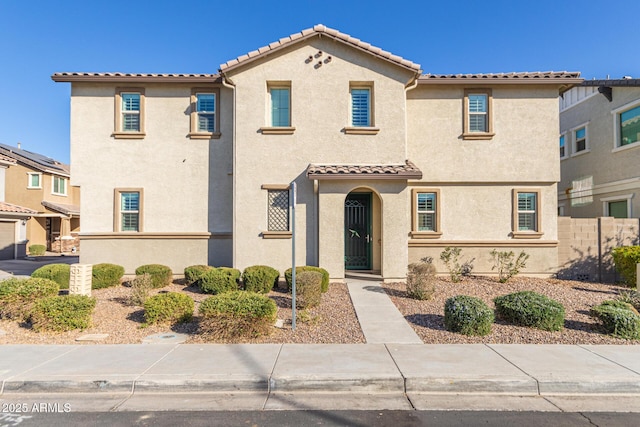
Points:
(62, 313)
(106, 275)
(506, 265)
(140, 288)
(630, 297)
(618, 318)
(308, 289)
(467, 315)
(37, 250)
(17, 296)
(325, 275)
(531, 309)
(237, 314)
(219, 280)
(451, 258)
(161, 275)
(170, 307)
(260, 278)
(421, 277)
(193, 273)
(59, 273)
(625, 259)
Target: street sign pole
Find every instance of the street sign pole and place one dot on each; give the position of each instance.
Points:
(293, 255)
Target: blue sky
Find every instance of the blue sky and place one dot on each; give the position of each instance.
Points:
(39, 38)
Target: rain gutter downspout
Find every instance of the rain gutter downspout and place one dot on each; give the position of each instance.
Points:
(232, 87)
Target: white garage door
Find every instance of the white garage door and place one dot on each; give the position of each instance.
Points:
(7, 239)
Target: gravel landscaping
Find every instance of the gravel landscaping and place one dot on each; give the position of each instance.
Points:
(427, 317)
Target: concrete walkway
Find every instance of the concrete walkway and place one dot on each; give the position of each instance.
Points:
(380, 320)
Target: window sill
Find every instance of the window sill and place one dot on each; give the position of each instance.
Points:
(34, 188)
(581, 152)
(626, 147)
(58, 194)
(526, 234)
(210, 135)
(425, 234)
(129, 135)
(276, 235)
(277, 130)
(477, 135)
(364, 130)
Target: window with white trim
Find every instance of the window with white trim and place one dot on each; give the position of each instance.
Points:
(580, 139)
(526, 213)
(628, 123)
(59, 185)
(205, 120)
(563, 147)
(129, 121)
(129, 210)
(617, 206)
(426, 206)
(34, 180)
(478, 122)
(425, 216)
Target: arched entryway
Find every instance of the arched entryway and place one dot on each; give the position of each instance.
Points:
(362, 238)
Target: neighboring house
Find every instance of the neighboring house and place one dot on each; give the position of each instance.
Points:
(13, 219)
(600, 149)
(391, 165)
(41, 184)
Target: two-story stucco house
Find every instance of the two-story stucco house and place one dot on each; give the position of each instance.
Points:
(600, 149)
(390, 164)
(41, 184)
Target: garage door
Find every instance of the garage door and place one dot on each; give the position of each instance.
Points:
(7, 239)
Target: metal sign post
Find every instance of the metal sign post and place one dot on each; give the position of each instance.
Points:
(293, 255)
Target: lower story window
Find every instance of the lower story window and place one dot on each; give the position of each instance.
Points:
(526, 214)
(617, 209)
(278, 210)
(129, 203)
(426, 211)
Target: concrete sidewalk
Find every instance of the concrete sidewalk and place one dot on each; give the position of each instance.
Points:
(325, 376)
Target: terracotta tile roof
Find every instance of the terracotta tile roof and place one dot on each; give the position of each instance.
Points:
(323, 31)
(10, 208)
(543, 77)
(62, 208)
(34, 160)
(131, 77)
(385, 171)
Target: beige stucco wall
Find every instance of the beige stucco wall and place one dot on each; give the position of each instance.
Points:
(614, 172)
(320, 103)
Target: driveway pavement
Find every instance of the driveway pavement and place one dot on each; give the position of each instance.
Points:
(24, 267)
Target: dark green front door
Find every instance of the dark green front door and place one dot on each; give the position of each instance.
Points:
(357, 231)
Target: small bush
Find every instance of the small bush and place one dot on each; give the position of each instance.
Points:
(62, 313)
(106, 275)
(260, 278)
(506, 265)
(170, 307)
(59, 273)
(618, 318)
(237, 314)
(467, 315)
(630, 297)
(531, 309)
(37, 250)
(219, 280)
(325, 275)
(308, 289)
(625, 259)
(420, 280)
(451, 258)
(161, 275)
(140, 288)
(17, 296)
(193, 273)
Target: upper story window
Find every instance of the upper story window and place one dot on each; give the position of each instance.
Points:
(628, 125)
(361, 111)
(563, 147)
(478, 123)
(59, 186)
(34, 180)
(205, 120)
(580, 139)
(129, 121)
(278, 109)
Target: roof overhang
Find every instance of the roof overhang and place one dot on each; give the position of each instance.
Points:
(135, 77)
(564, 80)
(364, 171)
(70, 210)
(15, 211)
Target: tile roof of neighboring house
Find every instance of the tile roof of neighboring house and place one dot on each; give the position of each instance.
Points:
(389, 171)
(323, 31)
(62, 208)
(546, 77)
(7, 160)
(129, 77)
(612, 82)
(35, 160)
(15, 209)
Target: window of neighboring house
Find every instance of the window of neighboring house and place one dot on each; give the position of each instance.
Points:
(59, 186)
(129, 113)
(425, 213)
(35, 180)
(129, 213)
(361, 119)
(580, 140)
(477, 114)
(617, 206)
(526, 214)
(205, 122)
(628, 125)
(563, 147)
(277, 211)
(279, 109)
